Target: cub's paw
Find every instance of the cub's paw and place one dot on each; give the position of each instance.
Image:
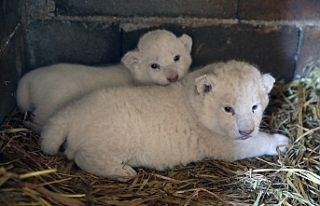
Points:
(52, 137)
(48, 146)
(124, 173)
(279, 140)
(33, 126)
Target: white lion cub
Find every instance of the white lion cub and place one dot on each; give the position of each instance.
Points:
(160, 58)
(213, 112)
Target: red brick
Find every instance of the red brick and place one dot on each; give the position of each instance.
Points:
(279, 10)
(309, 49)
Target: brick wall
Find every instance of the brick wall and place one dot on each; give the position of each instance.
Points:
(280, 36)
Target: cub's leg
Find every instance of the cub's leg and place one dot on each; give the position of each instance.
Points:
(36, 129)
(261, 144)
(52, 137)
(97, 164)
(38, 117)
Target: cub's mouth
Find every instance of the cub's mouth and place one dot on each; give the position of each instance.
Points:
(243, 137)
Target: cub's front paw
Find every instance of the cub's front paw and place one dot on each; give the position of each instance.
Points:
(125, 173)
(33, 126)
(278, 140)
(49, 147)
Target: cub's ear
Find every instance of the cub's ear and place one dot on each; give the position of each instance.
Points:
(267, 81)
(203, 84)
(186, 40)
(131, 59)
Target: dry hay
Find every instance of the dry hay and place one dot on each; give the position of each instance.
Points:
(27, 177)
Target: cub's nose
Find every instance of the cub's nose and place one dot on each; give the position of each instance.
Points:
(245, 132)
(173, 79)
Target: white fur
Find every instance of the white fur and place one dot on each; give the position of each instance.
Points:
(112, 130)
(46, 89)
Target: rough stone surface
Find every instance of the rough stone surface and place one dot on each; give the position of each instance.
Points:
(272, 10)
(52, 41)
(164, 8)
(40, 8)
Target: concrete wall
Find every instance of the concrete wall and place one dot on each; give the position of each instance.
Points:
(280, 36)
(12, 51)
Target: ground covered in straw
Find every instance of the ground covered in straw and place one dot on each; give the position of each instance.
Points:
(27, 177)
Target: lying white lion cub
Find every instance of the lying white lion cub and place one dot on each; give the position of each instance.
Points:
(213, 112)
(161, 58)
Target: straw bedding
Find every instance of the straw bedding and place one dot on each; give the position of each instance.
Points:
(27, 177)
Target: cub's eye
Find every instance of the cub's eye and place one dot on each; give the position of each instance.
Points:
(155, 66)
(254, 107)
(176, 58)
(229, 110)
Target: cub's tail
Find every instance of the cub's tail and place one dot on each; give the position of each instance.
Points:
(53, 136)
(23, 95)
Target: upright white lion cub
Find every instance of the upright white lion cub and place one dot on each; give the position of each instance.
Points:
(160, 58)
(213, 112)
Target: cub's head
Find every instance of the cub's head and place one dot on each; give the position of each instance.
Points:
(160, 58)
(231, 97)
